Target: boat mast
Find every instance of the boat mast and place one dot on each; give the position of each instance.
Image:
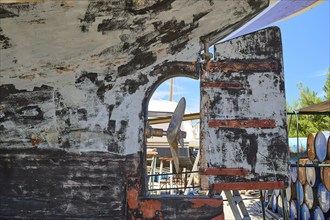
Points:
(171, 89)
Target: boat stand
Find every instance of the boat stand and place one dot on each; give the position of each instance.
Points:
(234, 198)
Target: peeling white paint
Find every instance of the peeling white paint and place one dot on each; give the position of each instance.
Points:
(48, 46)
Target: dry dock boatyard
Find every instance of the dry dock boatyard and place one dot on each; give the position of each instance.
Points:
(76, 80)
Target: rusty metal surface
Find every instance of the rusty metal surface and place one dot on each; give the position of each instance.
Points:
(224, 85)
(224, 172)
(242, 123)
(247, 185)
(171, 207)
(243, 116)
(243, 65)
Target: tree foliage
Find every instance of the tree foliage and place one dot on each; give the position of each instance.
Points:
(326, 86)
(309, 123)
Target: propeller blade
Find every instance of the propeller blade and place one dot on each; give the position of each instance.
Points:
(175, 155)
(176, 120)
(173, 132)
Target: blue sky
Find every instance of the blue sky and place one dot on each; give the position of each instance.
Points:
(306, 54)
(306, 50)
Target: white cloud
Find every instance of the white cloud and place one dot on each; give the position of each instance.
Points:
(319, 73)
(163, 94)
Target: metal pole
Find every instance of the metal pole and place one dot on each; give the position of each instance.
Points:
(262, 205)
(160, 173)
(171, 176)
(171, 89)
(297, 130)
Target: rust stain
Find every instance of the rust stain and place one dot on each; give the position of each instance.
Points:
(224, 85)
(47, 65)
(35, 139)
(150, 207)
(132, 198)
(61, 69)
(242, 123)
(249, 65)
(30, 76)
(247, 185)
(161, 50)
(225, 171)
(204, 183)
(42, 74)
(197, 203)
(110, 64)
(38, 21)
(121, 58)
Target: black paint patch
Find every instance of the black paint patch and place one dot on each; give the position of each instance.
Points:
(4, 40)
(102, 90)
(62, 114)
(4, 13)
(140, 61)
(95, 9)
(255, 4)
(112, 24)
(82, 114)
(177, 47)
(178, 207)
(196, 17)
(132, 85)
(43, 88)
(86, 75)
(108, 78)
(111, 126)
(86, 185)
(159, 6)
(24, 107)
(278, 149)
(140, 21)
(249, 145)
(176, 33)
(7, 89)
(64, 144)
(173, 29)
(122, 130)
(146, 40)
(110, 50)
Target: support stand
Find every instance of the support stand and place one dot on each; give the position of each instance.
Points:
(235, 199)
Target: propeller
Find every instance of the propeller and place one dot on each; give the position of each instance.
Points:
(174, 134)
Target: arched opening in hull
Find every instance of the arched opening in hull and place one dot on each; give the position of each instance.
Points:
(164, 175)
